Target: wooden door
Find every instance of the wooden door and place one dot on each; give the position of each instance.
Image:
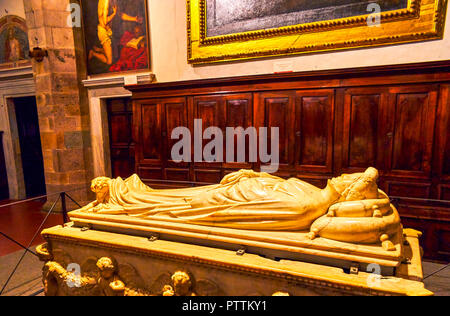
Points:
(274, 110)
(223, 111)
(239, 114)
(365, 134)
(441, 165)
(156, 119)
(314, 125)
(149, 128)
(411, 117)
(120, 117)
(209, 112)
(175, 115)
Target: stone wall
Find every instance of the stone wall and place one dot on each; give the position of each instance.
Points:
(61, 99)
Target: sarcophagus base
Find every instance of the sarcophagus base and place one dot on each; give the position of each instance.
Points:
(81, 261)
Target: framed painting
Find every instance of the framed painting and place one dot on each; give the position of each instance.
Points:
(116, 36)
(14, 46)
(224, 30)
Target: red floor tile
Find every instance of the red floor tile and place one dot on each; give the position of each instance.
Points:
(20, 222)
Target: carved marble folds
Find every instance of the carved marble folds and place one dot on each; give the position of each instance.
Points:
(252, 234)
(350, 209)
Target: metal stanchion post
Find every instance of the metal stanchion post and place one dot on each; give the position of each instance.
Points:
(64, 207)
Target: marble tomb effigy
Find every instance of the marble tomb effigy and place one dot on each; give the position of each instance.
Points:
(252, 234)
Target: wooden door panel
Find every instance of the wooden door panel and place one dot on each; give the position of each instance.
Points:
(274, 110)
(152, 140)
(408, 189)
(239, 113)
(120, 117)
(442, 147)
(314, 127)
(364, 129)
(210, 111)
(120, 131)
(149, 173)
(408, 142)
(414, 112)
(208, 176)
(177, 174)
(442, 236)
(175, 112)
(318, 181)
(446, 152)
(444, 192)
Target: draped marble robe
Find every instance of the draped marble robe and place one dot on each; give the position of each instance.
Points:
(259, 201)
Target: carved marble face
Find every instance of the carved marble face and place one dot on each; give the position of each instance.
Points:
(100, 186)
(102, 195)
(357, 186)
(106, 267)
(181, 283)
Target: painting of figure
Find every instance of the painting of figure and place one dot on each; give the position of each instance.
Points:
(116, 35)
(226, 17)
(14, 47)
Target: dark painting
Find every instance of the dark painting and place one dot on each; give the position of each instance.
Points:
(116, 35)
(229, 17)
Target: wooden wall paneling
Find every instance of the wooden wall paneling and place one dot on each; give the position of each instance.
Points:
(137, 134)
(211, 111)
(427, 230)
(412, 122)
(191, 116)
(365, 132)
(175, 115)
(151, 133)
(314, 128)
(442, 241)
(414, 112)
(441, 165)
(339, 121)
(431, 217)
(238, 113)
(413, 189)
(396, 118)
(158, 117)
(274, 110)
(418, 73)
(443, 192)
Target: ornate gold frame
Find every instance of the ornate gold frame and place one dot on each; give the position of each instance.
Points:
(422, 20)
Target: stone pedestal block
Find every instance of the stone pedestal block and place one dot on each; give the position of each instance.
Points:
(123, 265)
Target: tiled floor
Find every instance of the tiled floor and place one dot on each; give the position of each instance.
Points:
(437, 278)
(20, 222)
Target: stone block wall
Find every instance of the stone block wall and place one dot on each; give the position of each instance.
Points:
(61, 99)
